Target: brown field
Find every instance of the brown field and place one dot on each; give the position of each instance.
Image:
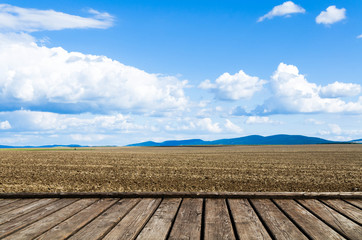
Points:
(327, 168)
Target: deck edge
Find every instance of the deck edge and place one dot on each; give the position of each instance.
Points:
(275, 195)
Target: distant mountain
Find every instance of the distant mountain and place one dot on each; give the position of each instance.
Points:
(281, 139)
(356, 141)
(44, 146)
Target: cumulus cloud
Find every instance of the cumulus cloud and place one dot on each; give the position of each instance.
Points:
(192, 125)
(17, 19)
(25, 120)
(208, 125)
(5, 125)
(339, 89)
(234, 87)
(359, 36)
(333, 129)
(230, 126)
(258, 120)
(331, 15)
(285, 9)
(53, 79)
(294, 94)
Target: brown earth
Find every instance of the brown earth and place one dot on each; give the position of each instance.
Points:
(327, 168)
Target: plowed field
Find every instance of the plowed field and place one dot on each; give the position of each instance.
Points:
(225, 168)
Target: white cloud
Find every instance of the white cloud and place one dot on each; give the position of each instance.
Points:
(331, 15)
(88, 137)
(258, 119)
(339, 89)
(314, 121)
(284, 9)
(52, 79)
(5, 125)
(294, 94)
(359, 36)
(230, 126)
(234, 87)
(24, 120)
(17, 19)
(333, 129)
(208, 125)
(187, 124)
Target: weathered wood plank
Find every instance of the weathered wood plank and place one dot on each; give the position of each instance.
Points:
(280, 226)
(25, 209)
(102, 224)
(26, 219)
(15, 205)
(248, 225)
(33, 230)
(161, 221)
(217, 220)
(345, 208)
(355, 202)
(77, 221)
(4, 202)
(342, 224)
(314, 227)
(187, 225)
(133, 222)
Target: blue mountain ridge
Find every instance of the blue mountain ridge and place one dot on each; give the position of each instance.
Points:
(281, 139)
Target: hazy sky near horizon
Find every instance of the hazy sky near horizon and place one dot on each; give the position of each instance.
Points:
(119, 72)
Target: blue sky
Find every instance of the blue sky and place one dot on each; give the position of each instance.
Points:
(119, 72)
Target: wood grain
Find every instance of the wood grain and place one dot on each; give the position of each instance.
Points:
(105, 222)
(25, 209)
(217, 220)
(161, 221)
(314, 227)
(247, 223)
(77, 221)
(280, 226)
(14, 205)
(342, 224)
(33, 230)
(355, 202)
(188, 221)
(26, 219)
(133, 222)
(347, 209)
(4, 202)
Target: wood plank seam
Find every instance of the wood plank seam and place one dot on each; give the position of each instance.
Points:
(76, 212)
(202, 237)
(115, 224)
(9, 202)
(232, 220)
(292, 220)
(321, 219)
(271, 234)
(9, 218)
(174, 219)
(91, 219)
(149, 217)
(340, 212)
(354, 205)
(31, 222)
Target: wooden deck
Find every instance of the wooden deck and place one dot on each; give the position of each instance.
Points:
(181, 216)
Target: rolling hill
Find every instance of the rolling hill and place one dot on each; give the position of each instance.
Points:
(280, 139)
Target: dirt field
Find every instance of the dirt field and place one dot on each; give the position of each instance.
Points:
(228, 168)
